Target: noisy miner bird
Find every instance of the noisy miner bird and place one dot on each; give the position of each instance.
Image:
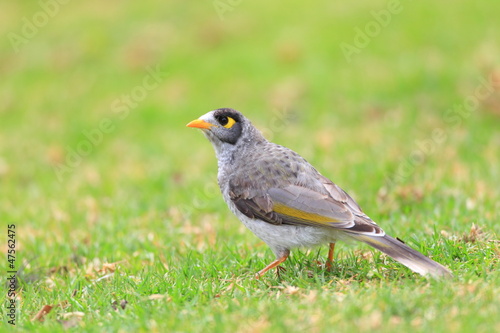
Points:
(286, 202)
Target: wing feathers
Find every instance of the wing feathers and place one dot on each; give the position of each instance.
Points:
(309, 201)
(329, 206)
(258, 207)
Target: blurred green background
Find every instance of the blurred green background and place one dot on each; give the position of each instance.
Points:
(96, 162)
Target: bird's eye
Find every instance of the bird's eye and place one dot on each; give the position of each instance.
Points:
(227, 122)
(223, 121)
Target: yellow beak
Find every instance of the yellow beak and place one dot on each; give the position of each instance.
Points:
(198, 123)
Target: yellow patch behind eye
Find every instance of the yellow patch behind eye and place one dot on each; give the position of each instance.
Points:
(230, 122)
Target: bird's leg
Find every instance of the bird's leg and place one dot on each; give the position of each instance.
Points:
(329, 262)
(275, 263)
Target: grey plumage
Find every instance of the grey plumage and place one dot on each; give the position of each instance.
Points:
(401, 252)
(285, 201)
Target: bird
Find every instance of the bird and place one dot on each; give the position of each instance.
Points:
(286, 202)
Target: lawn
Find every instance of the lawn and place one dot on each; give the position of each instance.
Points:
(113, 206)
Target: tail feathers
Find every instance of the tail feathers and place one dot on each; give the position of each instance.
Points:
(401, 252)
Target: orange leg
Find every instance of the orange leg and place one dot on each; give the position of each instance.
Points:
(329, 263)
(275, 263)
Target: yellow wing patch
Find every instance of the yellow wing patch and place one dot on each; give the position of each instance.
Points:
(230, 122)
(299, 214)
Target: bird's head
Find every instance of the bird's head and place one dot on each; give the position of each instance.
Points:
(227, 129)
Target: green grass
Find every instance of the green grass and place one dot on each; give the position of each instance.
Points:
(145, 195)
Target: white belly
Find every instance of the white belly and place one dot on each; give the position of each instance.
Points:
(286, 237)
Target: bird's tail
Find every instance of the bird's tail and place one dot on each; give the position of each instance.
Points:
(401, 252)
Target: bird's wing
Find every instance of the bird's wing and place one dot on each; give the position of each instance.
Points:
(329, 206)
(363, 223)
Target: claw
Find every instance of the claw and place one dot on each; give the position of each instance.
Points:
(275, 263)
